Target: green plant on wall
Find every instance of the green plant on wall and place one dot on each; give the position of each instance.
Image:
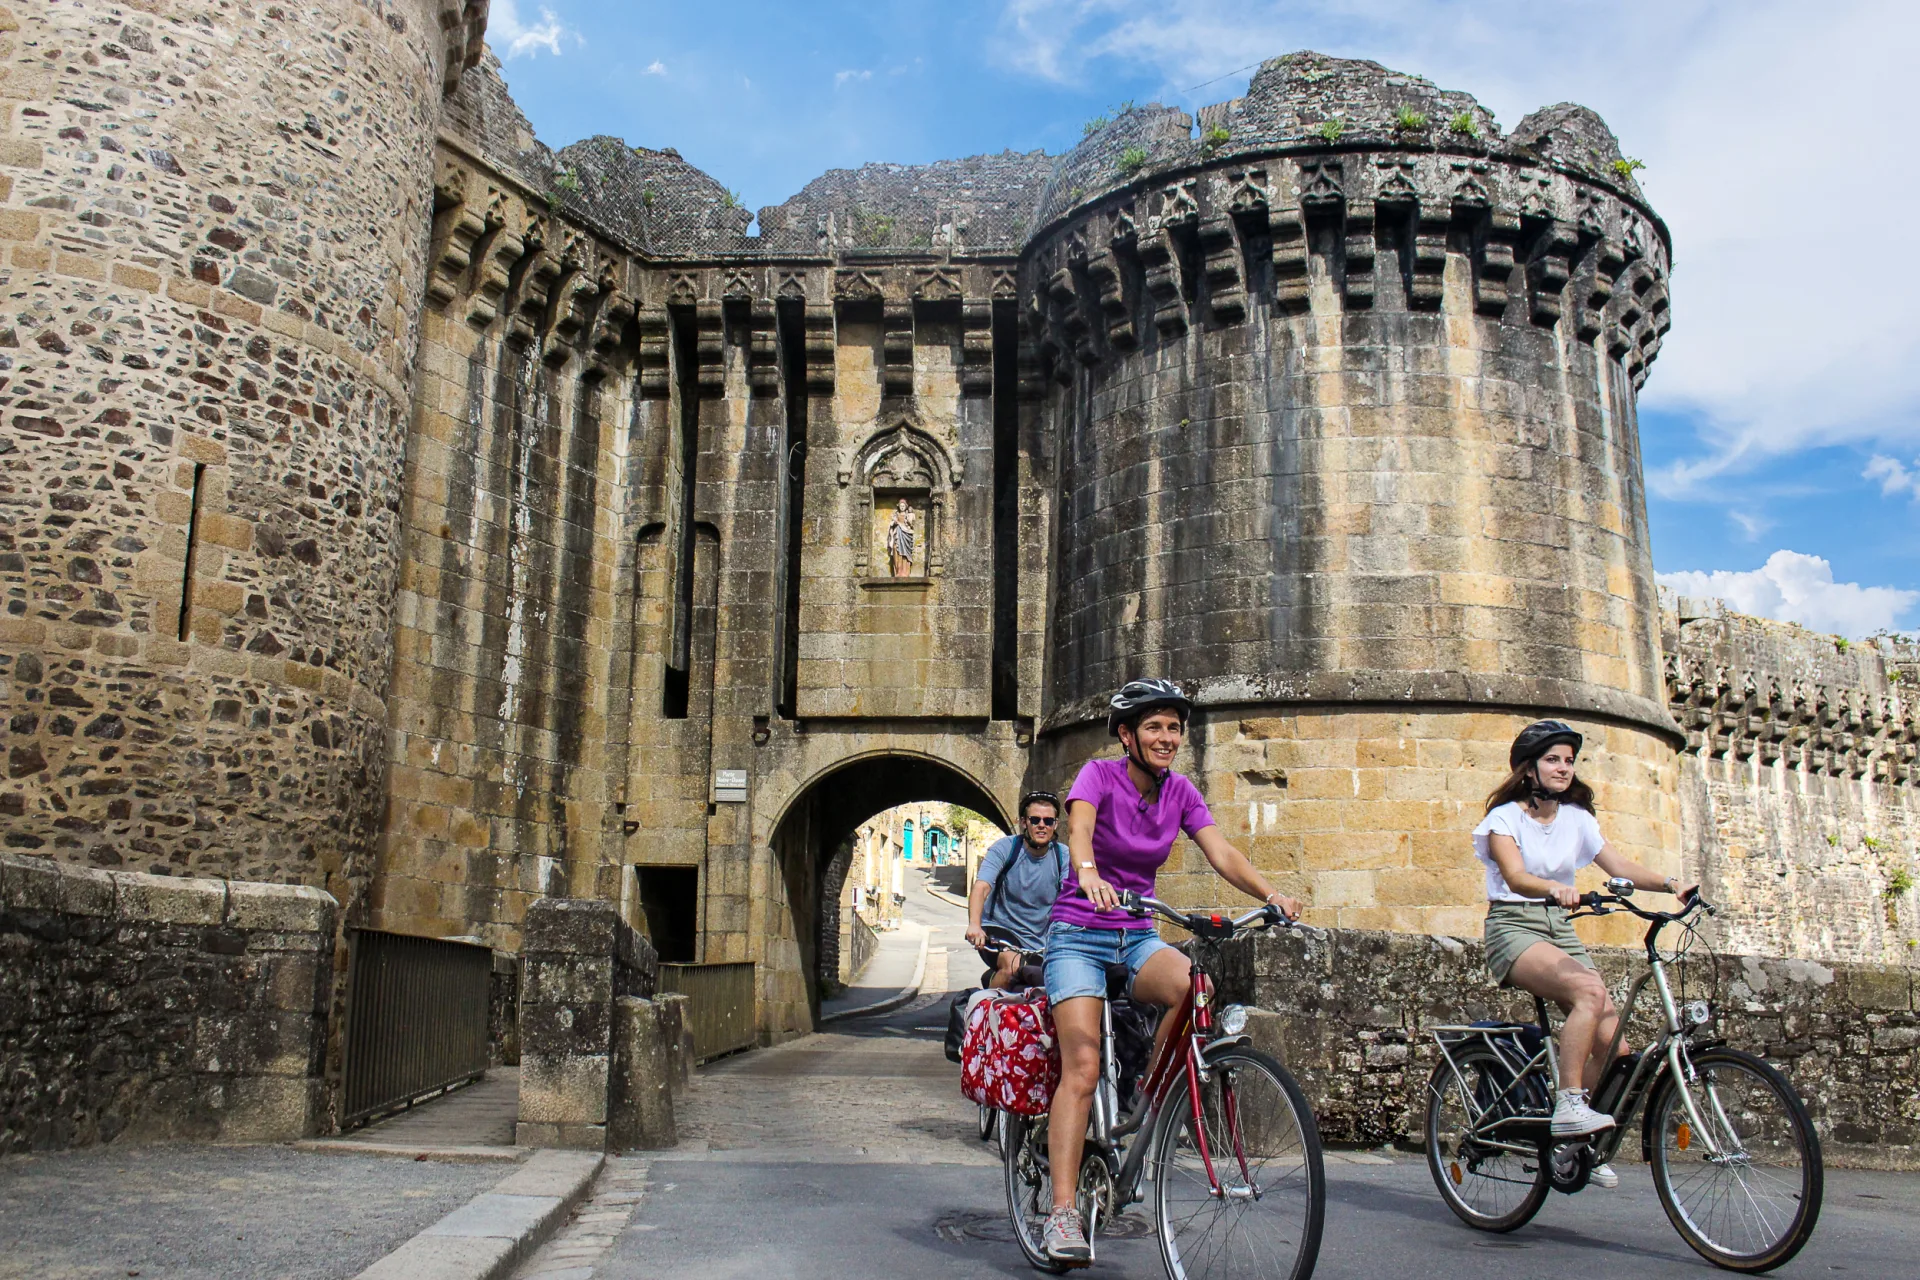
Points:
(1131, 161)
(1214, 139)
(730, 200)
(565, 183)
(1330, 130)
(1463, 124)
(1625, 167)
(1899, 885)
(870, 230)
(1833, 841)
(1409, 120)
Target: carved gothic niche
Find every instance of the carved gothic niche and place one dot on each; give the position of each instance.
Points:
(903, 482)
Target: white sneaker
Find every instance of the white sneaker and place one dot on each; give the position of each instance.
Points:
(1603, 1176)
(1573, 1118)
(1065, 1240)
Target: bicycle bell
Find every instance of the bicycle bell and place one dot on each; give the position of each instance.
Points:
(1620, 887)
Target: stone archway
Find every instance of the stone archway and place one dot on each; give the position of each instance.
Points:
(818, 825)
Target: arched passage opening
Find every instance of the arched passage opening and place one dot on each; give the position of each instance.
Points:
(817, 830)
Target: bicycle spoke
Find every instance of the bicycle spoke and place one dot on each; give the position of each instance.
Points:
(1741, 1194)
(1251, 1219)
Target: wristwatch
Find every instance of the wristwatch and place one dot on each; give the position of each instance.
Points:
(1673, 884)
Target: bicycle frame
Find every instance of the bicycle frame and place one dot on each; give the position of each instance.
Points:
(1181, 1056)
(1667, 1053)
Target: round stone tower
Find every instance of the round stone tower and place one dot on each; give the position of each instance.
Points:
(214, 224)
(1342, 384)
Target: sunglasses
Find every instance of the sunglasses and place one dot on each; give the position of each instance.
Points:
(1044, 822)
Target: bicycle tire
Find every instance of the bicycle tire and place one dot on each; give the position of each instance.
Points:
(1291, 1175)
(1702, 1219)
(989, 1117)
(1029, 1191)
(1451, 1159)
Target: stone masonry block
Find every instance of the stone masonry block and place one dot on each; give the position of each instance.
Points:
(548, 978)
(566, 1090)
(574, 925)
(168, 899)
(640, 1101)
(272, 1109)
(282, 908)
(43, 885)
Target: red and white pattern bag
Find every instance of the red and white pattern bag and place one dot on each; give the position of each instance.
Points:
(1010, 1058)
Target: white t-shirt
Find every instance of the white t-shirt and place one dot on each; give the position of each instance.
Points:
(1552, 852)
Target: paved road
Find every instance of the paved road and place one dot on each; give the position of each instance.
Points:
(199, 1212)
(852, 1155)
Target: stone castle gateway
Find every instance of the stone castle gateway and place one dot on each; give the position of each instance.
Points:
(392, 506)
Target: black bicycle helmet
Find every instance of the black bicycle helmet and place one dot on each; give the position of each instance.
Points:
(1137, 697)
(1037, 797)
(1537, 737)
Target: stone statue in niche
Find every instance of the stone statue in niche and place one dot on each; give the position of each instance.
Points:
(900, 539)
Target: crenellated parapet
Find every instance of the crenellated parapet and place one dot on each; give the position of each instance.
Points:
(1305, 230)
(1776, 695)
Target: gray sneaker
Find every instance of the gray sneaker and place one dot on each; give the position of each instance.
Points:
(1065, 1238)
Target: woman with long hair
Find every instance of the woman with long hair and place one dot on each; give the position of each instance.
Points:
(1539, 830)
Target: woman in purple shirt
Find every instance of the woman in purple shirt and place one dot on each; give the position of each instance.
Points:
(1124, 817)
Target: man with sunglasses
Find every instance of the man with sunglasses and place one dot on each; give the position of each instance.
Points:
(1019, 878)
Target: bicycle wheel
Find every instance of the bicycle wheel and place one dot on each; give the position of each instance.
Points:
(1744, 1194)
(1240, 1190)
(1488, 1188)
(989, 1116)
(1023, 1149)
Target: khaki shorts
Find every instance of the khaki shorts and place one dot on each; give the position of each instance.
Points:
(1512, 927)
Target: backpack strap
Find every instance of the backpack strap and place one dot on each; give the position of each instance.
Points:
(1000, 881)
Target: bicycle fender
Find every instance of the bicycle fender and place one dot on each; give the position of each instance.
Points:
(1223, 1044)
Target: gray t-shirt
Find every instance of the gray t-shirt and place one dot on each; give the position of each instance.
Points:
(1024, 903)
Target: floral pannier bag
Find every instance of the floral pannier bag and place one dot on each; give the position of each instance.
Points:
(1010, 1059)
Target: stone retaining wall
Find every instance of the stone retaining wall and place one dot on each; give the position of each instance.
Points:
(152, 1007)
(1353, 1007)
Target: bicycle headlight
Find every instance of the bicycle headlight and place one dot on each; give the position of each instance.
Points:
(1699, 1013)
(1232, 1019)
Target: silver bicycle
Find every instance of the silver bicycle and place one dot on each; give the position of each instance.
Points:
(1735, 1160)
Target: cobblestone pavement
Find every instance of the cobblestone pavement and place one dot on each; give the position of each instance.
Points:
(596, 1224)
(196, 1212)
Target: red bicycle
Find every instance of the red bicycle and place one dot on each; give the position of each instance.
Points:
(1219, 1131)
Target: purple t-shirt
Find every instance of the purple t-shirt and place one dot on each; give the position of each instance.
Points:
(1131, 838)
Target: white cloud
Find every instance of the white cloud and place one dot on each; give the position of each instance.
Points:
(512, 38)
(842, 77)
(1895, 477)
(1796, 588)
(1751, 526)
(655, 68)
(1775, 346)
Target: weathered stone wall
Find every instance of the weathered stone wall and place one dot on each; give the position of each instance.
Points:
(1352, 1011)
(215, 224)
(1367, 815)
(1799, 784)
(144, 1007)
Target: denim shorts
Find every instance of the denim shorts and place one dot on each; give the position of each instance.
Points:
(1077, 957)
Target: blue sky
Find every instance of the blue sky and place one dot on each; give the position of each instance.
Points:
(1781, 425)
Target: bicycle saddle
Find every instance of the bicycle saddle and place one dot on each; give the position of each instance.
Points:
(1118, 979)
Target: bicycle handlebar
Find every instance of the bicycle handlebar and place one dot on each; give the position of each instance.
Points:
(1601, 904)
(1207, 924)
